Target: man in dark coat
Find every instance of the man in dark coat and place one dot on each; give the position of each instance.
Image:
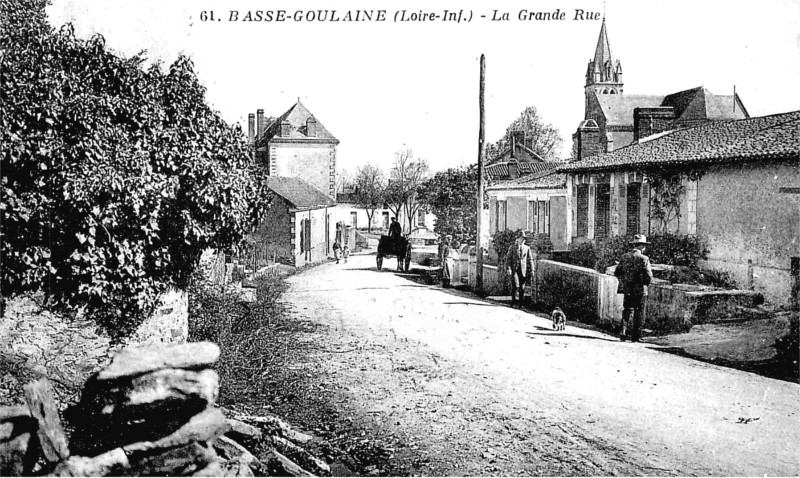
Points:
(634, 274)
(395, 230)
(519, 262)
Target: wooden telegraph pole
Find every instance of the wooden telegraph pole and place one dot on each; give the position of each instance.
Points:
(481, 149)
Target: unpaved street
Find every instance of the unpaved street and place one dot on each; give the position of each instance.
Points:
(452, 385)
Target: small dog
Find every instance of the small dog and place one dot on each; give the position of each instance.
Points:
(559, 319)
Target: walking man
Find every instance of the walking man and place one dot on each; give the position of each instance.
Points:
(634, 274)
(519, 262)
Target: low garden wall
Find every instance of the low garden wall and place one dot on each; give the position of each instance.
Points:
(584, 294)
(590, 296)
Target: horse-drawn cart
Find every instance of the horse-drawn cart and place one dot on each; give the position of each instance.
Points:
(400, 248)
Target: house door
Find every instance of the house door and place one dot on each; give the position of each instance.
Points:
(354, 219)
(386, 220)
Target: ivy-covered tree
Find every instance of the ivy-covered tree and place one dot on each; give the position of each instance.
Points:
(452, 195)
(114, 176)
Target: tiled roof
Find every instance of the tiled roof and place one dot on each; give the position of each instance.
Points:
(543, 180)
(296, 116)
(522, 154)
(498, 171)
(299, 193)
(766, 137)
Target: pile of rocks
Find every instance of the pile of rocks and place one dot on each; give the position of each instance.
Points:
(151, 411)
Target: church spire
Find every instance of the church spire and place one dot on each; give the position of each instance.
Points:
(602, 53)
(604, 74)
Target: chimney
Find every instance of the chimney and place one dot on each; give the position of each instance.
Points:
(513, 169)
(259, 122)
(517, 137)
(251, 128)
(588, 139)
(286, 129)
(650, 121)
(311, 127)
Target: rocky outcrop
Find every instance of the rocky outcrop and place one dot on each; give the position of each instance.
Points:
(151, 411)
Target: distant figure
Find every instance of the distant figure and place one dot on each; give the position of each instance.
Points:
(336, 250)
(395, 230)
(447, 257)
(346, 253)
(519, 261)
(634, 274)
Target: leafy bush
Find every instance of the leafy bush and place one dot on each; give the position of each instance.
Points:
(114, 177)
(611, 250)
(678, 250)
(697, 276)
(502, 241)
(673, 249)
(582, 255)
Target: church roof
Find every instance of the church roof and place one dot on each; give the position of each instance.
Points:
(618, 109)
(695, 104)
(297, 116)
(299, 193)
(700, 104)
(749, 139)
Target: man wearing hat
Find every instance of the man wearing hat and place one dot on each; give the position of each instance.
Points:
(519, 262)
(634, 274)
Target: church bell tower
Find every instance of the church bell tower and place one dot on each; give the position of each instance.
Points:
(603, 74)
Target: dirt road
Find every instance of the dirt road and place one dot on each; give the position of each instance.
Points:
(450, 385)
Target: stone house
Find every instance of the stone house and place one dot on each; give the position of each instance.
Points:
(536, 203)
(348, 212)
(298, 228)
(745, 202)
(295, 144)
(611, 116)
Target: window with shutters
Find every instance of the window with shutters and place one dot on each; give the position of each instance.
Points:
(633, 208)
(602, 211)
(532, 205)
(583, 210)
(501, 215)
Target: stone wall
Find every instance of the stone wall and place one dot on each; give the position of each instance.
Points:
(35, 342)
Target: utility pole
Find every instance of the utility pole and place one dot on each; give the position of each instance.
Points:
(481, 150)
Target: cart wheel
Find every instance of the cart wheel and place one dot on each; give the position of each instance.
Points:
(379, 261)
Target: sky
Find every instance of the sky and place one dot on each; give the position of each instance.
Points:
(380, 87)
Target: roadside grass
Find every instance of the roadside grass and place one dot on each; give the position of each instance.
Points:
(266, 366)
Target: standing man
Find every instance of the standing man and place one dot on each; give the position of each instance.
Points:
(519, 262)
(634, 274)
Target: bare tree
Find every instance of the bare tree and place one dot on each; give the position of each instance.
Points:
(405, 177)
(344, 179)
(369, 192)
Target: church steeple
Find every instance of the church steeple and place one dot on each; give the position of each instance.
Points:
(604, 74)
